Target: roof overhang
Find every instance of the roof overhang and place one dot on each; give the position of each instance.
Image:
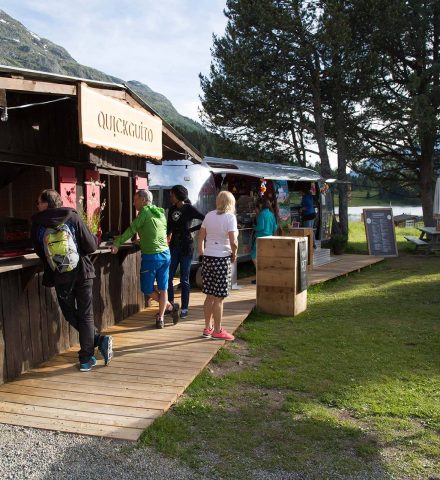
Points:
(31, 81)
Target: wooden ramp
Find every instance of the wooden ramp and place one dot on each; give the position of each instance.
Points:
(150, 370)
(344, 265)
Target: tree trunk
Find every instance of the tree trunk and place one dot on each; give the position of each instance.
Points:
(320, 137)
(425, 179)
(341, 146)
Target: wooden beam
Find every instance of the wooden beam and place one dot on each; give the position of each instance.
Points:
(36, 86)
(180, 143)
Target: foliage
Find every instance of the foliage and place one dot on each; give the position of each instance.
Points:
(33, 52)
(338, 243)
(91, 220)
(349, 390)
(401, 128)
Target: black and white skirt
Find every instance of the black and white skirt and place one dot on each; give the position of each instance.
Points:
(216, 276)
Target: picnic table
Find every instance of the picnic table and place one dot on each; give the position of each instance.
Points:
(429, 238)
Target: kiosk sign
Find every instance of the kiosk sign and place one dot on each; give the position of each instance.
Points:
(381, 236)
(105, 122)
(302, 266)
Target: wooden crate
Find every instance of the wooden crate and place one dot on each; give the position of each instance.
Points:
(304, 232)
(277, 276)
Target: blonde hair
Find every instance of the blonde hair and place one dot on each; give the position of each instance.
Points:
(225, 203)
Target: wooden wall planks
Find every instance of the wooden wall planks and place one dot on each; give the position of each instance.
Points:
(32, 327)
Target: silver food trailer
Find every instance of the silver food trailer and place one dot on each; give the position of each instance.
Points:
(247, 181)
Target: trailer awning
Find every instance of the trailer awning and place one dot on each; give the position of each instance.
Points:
(269, 171)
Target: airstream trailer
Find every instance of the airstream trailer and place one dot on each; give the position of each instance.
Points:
(247, 181)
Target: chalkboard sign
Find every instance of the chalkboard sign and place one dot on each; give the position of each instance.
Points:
(379, 227)
(302, 266)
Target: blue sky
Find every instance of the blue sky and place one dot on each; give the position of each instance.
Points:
(163, 43)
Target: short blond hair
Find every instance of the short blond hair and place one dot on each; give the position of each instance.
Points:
(225, 203)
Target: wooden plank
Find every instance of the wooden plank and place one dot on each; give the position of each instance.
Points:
(75, 416)
(36, 86)
(12, 334)
(119, 375)
(82, 388)
(72, 427)
(93, 382)
(35, 321)
(3, 367)
(90, 407)
(96, 397)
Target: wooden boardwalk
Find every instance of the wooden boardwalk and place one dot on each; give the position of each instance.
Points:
(150, 370)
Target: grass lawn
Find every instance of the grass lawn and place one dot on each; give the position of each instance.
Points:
(360, 198)
(348, 389)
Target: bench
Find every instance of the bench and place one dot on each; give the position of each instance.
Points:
(416, 241)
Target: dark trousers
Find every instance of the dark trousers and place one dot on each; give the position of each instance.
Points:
(185, 268)
(76, 303)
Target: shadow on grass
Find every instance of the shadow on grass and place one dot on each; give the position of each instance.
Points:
(367, 348)
(258, 440)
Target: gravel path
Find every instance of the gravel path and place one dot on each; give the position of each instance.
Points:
(31, 454)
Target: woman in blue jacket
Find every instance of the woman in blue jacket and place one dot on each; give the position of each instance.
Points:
(266, 224)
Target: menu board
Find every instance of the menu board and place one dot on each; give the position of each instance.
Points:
(379, 227)
(302, 266)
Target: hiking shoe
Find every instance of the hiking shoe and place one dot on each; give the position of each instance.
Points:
(159, 322)
(106, 348)
(86, 367)
(207, 332)
(222, 335)
(183, 313)
(175, 313)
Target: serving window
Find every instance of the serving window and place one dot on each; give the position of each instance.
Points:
(118, 211)
(20, 186)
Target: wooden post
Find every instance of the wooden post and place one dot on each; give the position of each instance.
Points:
(278, 287)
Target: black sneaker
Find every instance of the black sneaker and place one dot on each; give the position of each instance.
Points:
(106, 348)
(175, 313)
(159, 322)
(183, 313)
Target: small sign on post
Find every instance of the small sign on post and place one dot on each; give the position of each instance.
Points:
(379, 228)
(302, 267)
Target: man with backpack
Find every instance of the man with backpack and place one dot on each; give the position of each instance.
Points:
(63, 242)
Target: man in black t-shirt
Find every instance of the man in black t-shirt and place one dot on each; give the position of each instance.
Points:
(180, 217)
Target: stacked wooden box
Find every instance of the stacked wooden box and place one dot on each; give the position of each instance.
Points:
(277, 276)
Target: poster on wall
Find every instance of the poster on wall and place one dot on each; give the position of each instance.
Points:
(282, 196)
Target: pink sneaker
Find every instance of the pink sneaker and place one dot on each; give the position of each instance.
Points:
(207, 332)
(222, 335)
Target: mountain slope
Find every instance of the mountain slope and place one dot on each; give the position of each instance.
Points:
(19, 47)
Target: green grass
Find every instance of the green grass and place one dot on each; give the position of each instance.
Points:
(360, 198)
(350, 387)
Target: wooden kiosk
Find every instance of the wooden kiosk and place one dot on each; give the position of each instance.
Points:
(90, 141)
(281, 275)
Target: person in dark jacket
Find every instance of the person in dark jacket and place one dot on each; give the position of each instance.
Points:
(180, 217)
(73, 288)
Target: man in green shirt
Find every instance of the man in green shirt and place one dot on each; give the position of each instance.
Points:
(151, 226)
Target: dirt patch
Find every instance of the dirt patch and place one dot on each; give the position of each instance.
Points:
(242, 359)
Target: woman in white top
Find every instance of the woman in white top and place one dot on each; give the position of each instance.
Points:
(218, 244)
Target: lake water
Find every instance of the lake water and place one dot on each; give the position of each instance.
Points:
(354, 213)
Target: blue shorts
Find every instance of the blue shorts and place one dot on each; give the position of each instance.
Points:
(155, 267)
